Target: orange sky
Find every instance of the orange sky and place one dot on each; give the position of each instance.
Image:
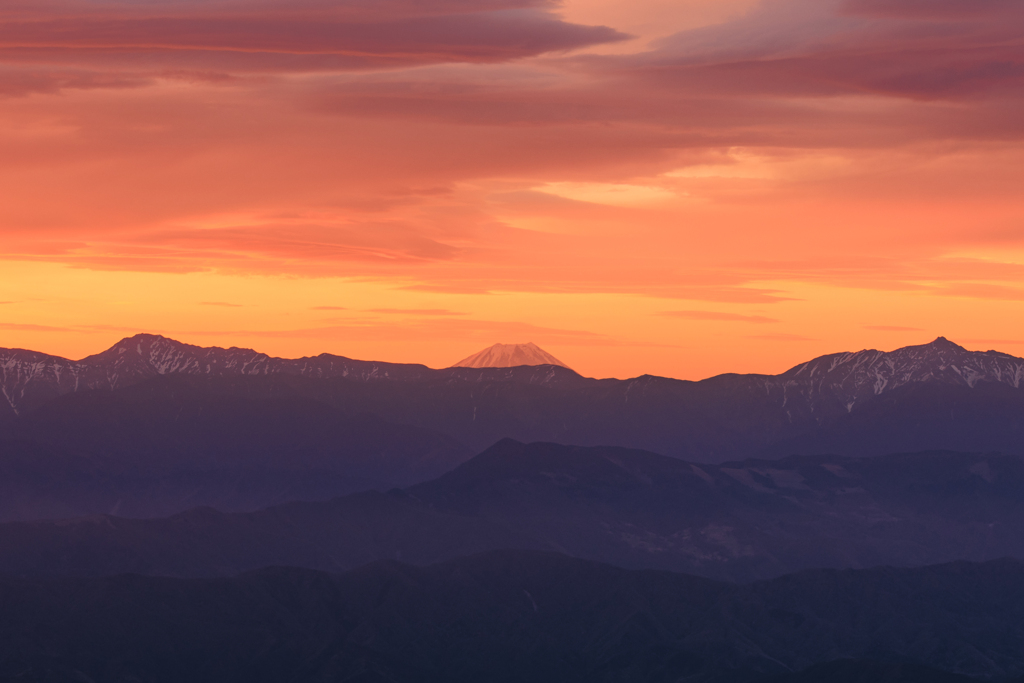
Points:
(670, 187)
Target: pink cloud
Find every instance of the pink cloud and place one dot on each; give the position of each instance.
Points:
(919, 50)
(35, 80)
(892, 328)
(718, 316)
(433, 327)
(780, 337)
(933, 10)
(24, 327)
(995, 342)
(978, 290)
(284, 36)
(415, 311)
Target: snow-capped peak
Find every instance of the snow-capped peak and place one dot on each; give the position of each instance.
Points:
(849, 378)
(509, 356)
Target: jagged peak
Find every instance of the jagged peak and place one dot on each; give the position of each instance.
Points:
(943, 343)
(937, 344)
(144, 337)
(940, 358)
(132, 345)
(147, 340)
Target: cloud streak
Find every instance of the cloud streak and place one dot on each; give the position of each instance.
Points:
(892, 328)
(415, 311)
(717, 316)
(286, 37)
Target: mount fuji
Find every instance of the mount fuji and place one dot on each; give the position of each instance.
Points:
(509, 356)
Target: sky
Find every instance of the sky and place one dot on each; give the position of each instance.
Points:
(670, 187)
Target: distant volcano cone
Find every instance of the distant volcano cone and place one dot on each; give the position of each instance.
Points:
(509, 356)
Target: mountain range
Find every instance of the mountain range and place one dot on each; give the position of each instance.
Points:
(819, 388)
(814, 394)
(740, 521)
(169, 512)
(153, 427)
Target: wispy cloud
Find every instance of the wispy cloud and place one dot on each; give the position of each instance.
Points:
(995, 342)
(28, 327)
(718, 316)
(433, 327)
(977, 290)
(892, 328)
(415, 311)
(780, 337)
(298, 35)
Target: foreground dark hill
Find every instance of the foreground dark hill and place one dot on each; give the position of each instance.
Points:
(515, 616)
(934, 396)
(740, 521)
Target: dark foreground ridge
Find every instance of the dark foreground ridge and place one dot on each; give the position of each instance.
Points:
(518, 616)
(739, 521)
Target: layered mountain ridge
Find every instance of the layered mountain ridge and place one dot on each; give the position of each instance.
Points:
(28, 377)
(739, 521)
(206, 462)
(936, 396)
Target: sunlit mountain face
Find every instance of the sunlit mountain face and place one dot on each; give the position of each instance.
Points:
(661, 341)
(509, 356)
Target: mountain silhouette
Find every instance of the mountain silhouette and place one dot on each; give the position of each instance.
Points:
(740, 521)
(824, 385)
(509, 356)
(153, 427)
(518, 616)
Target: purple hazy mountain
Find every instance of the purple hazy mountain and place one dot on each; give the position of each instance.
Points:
(509, 356)
(852, 377)
(929, 397)
(742, 521)
(28, 378)
(837, 381)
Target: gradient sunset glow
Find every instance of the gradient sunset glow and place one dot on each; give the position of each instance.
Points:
(674, 188)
